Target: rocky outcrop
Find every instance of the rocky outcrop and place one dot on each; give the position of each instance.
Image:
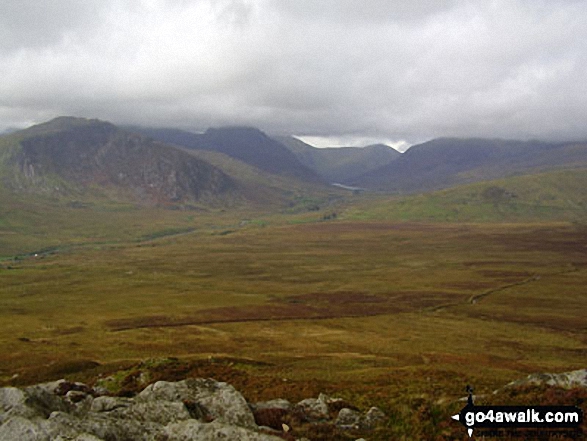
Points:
(323, 410)
(192, 409)
(565, 380)
(200, 409)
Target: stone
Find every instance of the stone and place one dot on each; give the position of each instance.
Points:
(29, 403)
(565, 380)
(217, 399)
(107, 404)
(202, 409)
(373, 418)
(279, 403)
(101, 427)
(348, 419)
(75, 396)
(22, 429)
(196, 430)
(82, 437)
(314, 409)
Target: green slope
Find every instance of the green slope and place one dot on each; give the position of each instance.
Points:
(551, 196)
(266, 190)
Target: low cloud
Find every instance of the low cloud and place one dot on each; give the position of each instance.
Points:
(394, 71)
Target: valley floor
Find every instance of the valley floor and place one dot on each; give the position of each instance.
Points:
(389, 314)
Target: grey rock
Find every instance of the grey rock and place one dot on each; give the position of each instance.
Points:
(373, 418)
(279, 403)
(107, 404)
(101, 427)
(43, 400)
(51, 387)
(217, 399)
(75, 396)
(348, 419)
(82, 437)
(201, 409)
(61, 411)
(29, 403)
(565, 380)
(163, 412)
(196, 430)
(317, 409)
(22, 429)
(13, 403)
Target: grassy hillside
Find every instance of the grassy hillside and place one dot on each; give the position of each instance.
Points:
(448, 162)
(272, 190)
(558, 195)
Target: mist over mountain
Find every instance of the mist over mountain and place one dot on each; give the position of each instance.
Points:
(340, 164)
(170, 166)
(447, 162)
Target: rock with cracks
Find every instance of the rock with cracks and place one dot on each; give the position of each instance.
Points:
(201, 409)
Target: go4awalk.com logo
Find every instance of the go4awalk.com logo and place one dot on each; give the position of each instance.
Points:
(517, 417)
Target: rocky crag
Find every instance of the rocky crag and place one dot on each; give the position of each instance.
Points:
(192, 409)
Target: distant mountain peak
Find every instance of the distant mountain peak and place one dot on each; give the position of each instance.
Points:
(247, 144)
(68, 122)
(85, 154)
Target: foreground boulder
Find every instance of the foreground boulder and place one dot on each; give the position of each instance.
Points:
(201, 409)
(324, 411)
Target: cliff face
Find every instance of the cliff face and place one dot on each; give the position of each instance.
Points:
(69, 153)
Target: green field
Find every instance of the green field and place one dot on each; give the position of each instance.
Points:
(372, 305)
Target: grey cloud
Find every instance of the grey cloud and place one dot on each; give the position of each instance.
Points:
(357, 13)
(360, 70)
(38, 24)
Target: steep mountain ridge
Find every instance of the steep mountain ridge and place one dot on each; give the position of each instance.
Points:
(80, 155)
(246, 144)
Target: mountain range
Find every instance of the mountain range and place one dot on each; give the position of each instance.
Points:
(341, 165)
(231, 165)
(447, 162)
(246, 144)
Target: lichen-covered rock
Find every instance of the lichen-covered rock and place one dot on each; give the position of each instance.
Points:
(100, 426)
(348, 419)
(196, 430)
(278, 403)
(82, 437)
(202, 409)
(32, 402)
(373, 418)
(565, 380)
(217, 399)
(314, 409)
(62, 411)
(22, 429)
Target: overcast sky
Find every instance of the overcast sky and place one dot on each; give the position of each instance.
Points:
(334, 71)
